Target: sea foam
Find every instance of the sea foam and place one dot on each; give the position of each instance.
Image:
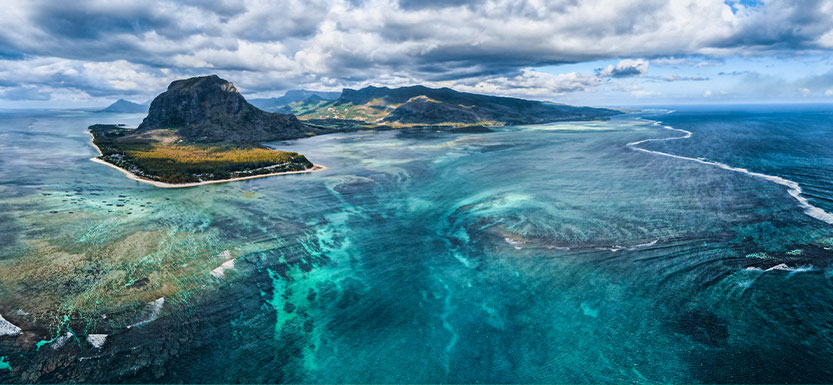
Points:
(792, 187)
(61, 341)
(8, 329)
(227, 265)
(152, 310)
(97, 340)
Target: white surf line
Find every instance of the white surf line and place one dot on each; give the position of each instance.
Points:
(792, 187)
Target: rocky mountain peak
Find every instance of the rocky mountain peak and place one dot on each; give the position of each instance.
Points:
(210, 109)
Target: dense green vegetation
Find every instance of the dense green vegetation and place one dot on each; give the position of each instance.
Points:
(161, 156)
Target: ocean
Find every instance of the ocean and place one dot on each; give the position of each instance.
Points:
(684, 244)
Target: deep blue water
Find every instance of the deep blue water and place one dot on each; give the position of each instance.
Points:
(549, 253)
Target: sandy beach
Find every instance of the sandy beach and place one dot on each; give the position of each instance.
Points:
(130, 175)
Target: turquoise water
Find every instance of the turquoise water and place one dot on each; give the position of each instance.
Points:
(549, 253)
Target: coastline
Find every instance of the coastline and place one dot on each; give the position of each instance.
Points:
(132, 176)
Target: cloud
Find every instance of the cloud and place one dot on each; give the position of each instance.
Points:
(529, 83)
(677, 62)
(782, 24)
(757, 85)
(105, 48)
(817, 82)
(624, 68)
(93, 78)
(24, 93)
(677, 78)
(641, 93)
(734, 73)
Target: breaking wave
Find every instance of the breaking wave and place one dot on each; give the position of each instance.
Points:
(793, 188)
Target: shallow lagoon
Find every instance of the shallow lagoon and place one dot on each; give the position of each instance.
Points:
(550, 253)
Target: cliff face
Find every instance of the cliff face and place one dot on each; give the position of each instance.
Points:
(208, 109)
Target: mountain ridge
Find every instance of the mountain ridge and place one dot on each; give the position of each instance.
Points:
(278, 104)
(414, 105)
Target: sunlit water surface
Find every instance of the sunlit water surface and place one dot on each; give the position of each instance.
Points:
(549, 253)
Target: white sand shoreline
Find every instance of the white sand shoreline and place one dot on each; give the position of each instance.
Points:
(132, 176)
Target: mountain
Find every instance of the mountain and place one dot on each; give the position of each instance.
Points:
(208, 109)
(201, 130)
(292, 96)
(125, 106)
(419, 105)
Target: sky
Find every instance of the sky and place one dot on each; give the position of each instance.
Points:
(67, 54)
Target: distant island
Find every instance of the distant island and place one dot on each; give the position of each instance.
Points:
(202, 130)
(125, 106)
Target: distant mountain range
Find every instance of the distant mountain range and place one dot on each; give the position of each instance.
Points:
(221, 114)
(281, 104)
(419, 105)
(126, 106)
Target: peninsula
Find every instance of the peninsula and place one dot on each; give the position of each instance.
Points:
(202, 130)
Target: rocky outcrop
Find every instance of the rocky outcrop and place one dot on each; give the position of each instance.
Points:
(208, 109)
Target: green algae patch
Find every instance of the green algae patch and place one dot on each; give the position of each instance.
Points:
(759, 255)
(40, 343)
(4, 363)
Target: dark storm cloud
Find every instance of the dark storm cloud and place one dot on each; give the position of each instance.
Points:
(71, 20)
(783, 24)
(459, 72)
